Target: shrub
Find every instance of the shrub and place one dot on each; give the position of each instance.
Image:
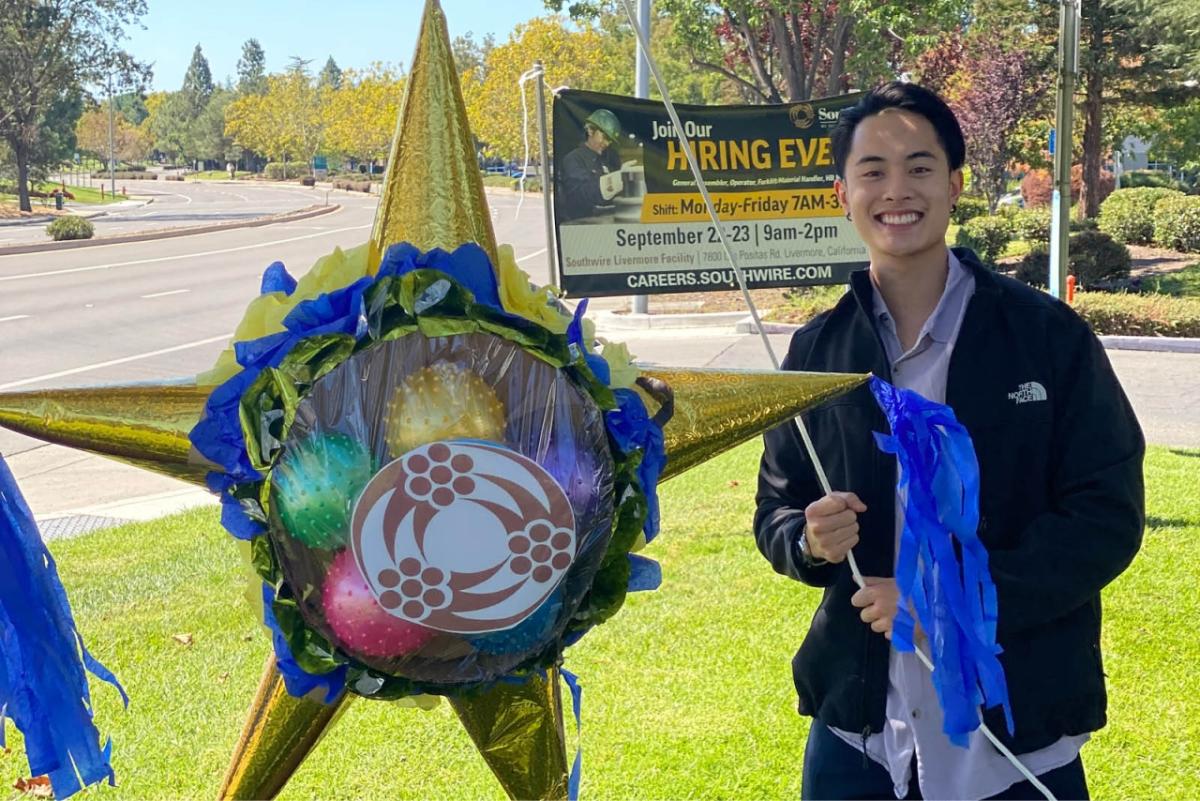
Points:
(70, 227)
(1151, 179)
(987, 236)
(531, 185)
(1094, 257)
(1139, 315)
(1031, 225)
(1128, 214)
(1037, 187)
(173, 177)
(308, 180)
(1177, 223)
(128, 175)
(351, 185)
(276, 171)
(968, 208)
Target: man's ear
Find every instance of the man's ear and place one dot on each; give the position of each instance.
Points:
(956, 185)
(839, 188)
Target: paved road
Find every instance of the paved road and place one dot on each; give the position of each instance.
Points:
(146, 311)
(159, 309)
(177, 204)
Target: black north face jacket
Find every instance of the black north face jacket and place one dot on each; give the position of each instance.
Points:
(1061, 502)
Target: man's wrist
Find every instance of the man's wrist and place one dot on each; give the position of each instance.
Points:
(802, 548)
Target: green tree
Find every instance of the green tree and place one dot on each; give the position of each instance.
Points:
(252, 69)
(48, 50)
(170, 124)
(582, 58)
(207, 138)
(470, 55)
(197, 82)
(331, 75)
(793, 50)
(1131, 52)
(361, 116)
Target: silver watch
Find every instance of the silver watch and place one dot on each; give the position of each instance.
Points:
(805, 553)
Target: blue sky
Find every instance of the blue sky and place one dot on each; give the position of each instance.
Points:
(354, 32)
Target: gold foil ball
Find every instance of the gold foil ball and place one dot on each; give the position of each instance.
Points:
(442, 402)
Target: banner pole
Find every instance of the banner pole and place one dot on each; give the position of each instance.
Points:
(547, 183)
(641, 303)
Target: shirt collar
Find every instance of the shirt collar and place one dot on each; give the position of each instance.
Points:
(942, 324)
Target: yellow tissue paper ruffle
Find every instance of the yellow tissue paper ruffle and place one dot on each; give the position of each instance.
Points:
(622, 371)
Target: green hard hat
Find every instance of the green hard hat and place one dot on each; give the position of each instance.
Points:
(606, 121)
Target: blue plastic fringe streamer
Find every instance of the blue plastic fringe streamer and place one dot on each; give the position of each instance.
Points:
(43, 662)
(576, 702)
(955, 600)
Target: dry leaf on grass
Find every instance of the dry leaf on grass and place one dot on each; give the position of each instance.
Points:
(182, 639)
(36, 787)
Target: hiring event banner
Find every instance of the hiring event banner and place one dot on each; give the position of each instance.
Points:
(630, 220)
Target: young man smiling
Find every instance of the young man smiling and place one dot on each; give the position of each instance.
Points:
(1061, 495)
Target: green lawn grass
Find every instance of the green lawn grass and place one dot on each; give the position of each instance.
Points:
(1184, 283)
(218, 175)
(687, 693)
(84, 195)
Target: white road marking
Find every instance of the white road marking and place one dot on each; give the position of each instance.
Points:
(180, 257)
(165, 294)
(98, 365)
(531, 255)
(14, 317)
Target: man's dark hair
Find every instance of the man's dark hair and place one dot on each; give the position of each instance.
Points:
(908, 97)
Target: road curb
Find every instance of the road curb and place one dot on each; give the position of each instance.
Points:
(302, 214)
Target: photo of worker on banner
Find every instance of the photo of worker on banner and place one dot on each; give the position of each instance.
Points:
(593, 182)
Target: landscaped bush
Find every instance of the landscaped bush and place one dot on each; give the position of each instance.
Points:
(70, 228)
(968, 208)
(1128, 214)
(1177, 223)
(1031, 225)
(128, 175)
(1037, 187)
(352, 185)
(175, 176)
(308, 180)
(1094, 258)
(987, 236)
(275, 170)
(1153, 179)
(1139, 315)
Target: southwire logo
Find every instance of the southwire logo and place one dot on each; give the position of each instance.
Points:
(1028, 393)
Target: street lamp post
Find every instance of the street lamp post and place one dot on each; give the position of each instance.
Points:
(1060, 219)
(642, 90)
(112, 174)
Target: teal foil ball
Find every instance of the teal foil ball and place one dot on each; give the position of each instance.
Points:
(314, 486)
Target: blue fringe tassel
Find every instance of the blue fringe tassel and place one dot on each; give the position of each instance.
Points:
(955, 599)
(43, 662)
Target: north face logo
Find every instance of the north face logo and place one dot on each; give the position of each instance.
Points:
(1028, 392)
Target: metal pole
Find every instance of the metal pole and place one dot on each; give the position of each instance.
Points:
(1060, 219)
(112, 174)
(544, 152)
(642, 89)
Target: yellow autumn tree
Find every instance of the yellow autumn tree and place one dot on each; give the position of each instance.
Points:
(285, 122)
(130, 142)
(578, 57)
(360, 116)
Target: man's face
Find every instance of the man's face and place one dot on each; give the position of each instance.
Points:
(597, 140)
(898, 186)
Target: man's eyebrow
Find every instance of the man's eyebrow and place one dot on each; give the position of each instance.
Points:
(920, 154)
(866, 159)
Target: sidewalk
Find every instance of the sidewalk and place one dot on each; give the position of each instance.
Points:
(86, 211)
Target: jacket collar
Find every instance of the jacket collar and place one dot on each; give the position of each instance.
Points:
(863, 290)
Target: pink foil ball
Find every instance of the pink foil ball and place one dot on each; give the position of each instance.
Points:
(361, 625)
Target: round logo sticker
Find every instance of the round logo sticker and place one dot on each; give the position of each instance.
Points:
(463, 536)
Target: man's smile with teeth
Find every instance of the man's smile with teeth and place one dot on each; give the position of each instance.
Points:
(902, 218)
